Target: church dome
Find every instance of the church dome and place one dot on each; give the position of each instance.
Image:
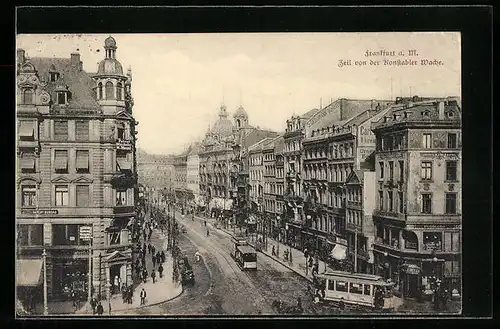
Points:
(110, 66)
(240, 112)
(223, 127)
(110, 42)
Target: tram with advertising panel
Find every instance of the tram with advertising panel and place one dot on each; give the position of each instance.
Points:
(363, 291)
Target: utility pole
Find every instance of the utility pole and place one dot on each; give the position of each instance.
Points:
(356, 249)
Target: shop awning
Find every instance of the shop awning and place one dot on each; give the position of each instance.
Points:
(29, 272)
(26, 129)
(27, 163)
(124, 164)
(339, 252)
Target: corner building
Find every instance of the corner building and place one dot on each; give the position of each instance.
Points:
(418, 209)
(75, 174)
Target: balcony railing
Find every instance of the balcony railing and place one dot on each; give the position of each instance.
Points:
(353, 204)
(411, 245)
(433, 246)
(386, 243)
(353, 227)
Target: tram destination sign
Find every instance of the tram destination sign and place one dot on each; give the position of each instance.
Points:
(39, 212)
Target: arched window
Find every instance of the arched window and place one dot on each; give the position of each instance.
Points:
(27, 96)
(238, 123)
(110, 92)
(119, 91)
(100, 90)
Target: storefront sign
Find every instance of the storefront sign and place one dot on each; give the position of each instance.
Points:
(86, 232)
(39, 212)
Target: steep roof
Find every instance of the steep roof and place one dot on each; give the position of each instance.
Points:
(79, 82)
(255, 136)
(310, 113)
(259, 145)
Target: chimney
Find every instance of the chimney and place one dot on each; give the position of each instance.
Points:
(75, 60)
(440, 107)
(20, 56)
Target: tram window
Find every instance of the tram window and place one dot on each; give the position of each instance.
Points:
(355, 288)
(341, 286)
(367, 289)
(331, 284)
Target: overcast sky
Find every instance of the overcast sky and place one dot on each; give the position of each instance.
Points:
(180, 80)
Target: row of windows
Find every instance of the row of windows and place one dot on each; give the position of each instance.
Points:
(332, 173)
(269, 157)
(273, 188)
(270, 170)
(62, 196)
(425, 202)
(28, 97)
(390, 165)
(273, 206)
(62, 235)
(255, 161)
(108, 91)
(336, 151)
(256, 175)
(292, 146)
(354, 217)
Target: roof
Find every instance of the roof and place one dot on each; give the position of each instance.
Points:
(255, 136)
(110, 66)
(310, 113)
(358, 277)
(79, 83)
(345, 111)
(260, 144)
(246, 249)
(240, 112)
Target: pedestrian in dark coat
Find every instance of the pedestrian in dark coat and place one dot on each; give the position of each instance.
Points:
(149, 247)
(153, 275)
(163, 256)
(100, 309)
(145, 275)
(93, 303)
(153, 249)
(153, 259)
(160, 270)
(143, 296)
(144, 248)
(158, 257)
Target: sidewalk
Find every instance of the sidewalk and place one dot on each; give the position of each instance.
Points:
(298, 264)
(161, 291)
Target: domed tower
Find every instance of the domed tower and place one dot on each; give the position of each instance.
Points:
(110, 80)
(240, 118)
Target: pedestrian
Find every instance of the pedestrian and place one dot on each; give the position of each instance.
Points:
(208, 233)
(143, 260)
(74, 299)
(117, 283)
(130, 294)
(153, 259)
(143, 296)
(341, 304)
(273, 252)
(100, 309)
(160, 270)
(144, 235)
(205, 223)
(163, 256)
(124, 293)
(145, 275)
(153, 275)
(144, 247)
(93, 304)
(305, 252)
(149, 247)
(149, 236)
(158, 257)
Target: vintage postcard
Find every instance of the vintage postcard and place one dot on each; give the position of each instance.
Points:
(245, 174)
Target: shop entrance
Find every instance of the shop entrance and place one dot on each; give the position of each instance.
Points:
(116, 278)
(68, 276)
(412, 289)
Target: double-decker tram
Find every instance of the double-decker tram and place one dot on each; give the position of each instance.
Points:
(362, 291)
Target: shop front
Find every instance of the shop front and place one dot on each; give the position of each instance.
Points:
(69, 275)
(29, 282)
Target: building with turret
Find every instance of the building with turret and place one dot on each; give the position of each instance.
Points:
(76, 173)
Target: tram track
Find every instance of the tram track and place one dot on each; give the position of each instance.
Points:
(241, 279)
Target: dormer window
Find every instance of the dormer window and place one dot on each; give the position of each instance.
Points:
(426, 114)
(450, 114)
(62, 98)
(27, 96)
(54, 76)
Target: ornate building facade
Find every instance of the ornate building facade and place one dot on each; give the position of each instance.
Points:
(418, 210)
(76, 177)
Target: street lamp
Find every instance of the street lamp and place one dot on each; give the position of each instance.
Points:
(279, 233)
(45, 309)
(108, 296)
(386, 260)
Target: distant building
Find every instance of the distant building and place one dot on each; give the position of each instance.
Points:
(155, 171)
(418, 193)
(75, 174)
(193, 174)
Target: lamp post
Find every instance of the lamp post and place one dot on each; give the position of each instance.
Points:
(279, 233)
(386, 259)
(45, 308)
(308, 217)
(108, 296)
(100, 271)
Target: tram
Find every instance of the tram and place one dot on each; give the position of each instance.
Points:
(244, 255)
(363, 291)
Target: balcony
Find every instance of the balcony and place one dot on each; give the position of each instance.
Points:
(354, 205)
(363, 254)
(120, 210)
(385, 243)
(433, 246)
(389, 214)
(28, 143)
(124, 145)
(353, 227)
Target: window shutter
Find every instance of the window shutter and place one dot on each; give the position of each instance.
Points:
(82, 160)
(61, 130)
(82, 195)
(27, 129)
(456, 241)
(82, 130)
(61, 160)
